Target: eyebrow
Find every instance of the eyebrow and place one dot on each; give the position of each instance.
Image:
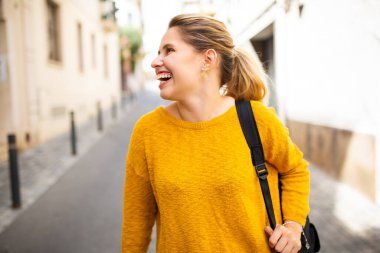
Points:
(165, 46)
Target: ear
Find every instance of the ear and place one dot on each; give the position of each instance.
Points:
(210, 58)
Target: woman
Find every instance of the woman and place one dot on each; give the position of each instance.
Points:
(189, 167)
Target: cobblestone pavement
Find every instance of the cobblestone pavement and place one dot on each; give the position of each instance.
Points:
(346, 220)
(41, 166)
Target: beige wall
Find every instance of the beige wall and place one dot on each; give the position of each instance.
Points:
(41, 93)
(326, 68)
(345, 155)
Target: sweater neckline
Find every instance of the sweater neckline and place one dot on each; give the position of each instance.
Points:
(197, 125)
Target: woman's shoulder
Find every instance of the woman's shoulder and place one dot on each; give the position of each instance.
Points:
(149, 119)
(263, 111)
(266, 117)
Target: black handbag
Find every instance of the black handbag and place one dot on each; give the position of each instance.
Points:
(309, 239)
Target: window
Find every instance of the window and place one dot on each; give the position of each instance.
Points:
(53, 30)
(105, 59)
(1, 11)
(80, 47)
(93, 50)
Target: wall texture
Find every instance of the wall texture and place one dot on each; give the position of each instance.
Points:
(40, 93)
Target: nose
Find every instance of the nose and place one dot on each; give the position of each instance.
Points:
(157, 62)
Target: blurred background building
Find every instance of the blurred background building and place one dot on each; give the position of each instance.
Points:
(56, 56)
(131, 29)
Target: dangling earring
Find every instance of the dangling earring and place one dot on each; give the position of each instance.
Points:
(203, 71)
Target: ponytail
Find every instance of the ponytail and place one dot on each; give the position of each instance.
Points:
(242, 76)
(247, 78)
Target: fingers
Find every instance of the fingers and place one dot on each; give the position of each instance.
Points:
(277, 233)
(268, 231)
(288, 249)
(295, 249)
(281, 244)
(296, 245)
(283, 240)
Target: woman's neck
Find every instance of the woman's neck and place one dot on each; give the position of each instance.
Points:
(198, 110)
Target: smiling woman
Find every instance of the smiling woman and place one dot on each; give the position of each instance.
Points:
(178, 80)
(188, 166)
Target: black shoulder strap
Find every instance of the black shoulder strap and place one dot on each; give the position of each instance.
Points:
(252, 136)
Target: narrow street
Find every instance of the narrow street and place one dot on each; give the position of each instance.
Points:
(75, 76)
(82, 211)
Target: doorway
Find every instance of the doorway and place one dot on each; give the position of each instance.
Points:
(263, 44)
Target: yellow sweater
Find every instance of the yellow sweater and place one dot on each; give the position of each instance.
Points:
(196, 180)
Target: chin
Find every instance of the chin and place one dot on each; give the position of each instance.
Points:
(166, 95)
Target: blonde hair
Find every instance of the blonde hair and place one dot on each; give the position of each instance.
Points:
(242, 76)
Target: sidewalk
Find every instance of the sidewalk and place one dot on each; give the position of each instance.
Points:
(346, 220)
(41, 166)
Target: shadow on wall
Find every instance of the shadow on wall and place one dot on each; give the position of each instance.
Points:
(347, 156)
(347, 221)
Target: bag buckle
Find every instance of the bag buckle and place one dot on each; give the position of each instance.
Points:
(262, 171)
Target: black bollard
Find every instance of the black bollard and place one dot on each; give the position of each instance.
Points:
(13, 171)
(73, 134)
(100, 118)
(114, 110)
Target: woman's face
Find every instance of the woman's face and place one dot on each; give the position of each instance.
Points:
(178, 67)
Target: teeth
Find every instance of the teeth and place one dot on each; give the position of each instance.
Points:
(164, 75)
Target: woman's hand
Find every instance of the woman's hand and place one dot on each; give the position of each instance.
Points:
(285, 238)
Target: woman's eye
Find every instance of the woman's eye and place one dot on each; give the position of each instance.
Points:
(169, 50)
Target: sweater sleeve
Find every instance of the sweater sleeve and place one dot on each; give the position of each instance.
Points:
(139, 203)
(285, 156)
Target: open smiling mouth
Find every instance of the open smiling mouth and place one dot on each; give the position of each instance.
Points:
(164, 77)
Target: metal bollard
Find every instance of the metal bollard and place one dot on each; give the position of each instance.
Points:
(100, 118)
(13, 171)
(114, 110)
(73, 134)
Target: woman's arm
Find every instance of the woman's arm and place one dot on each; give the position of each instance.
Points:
(285, 156)
(139, 203)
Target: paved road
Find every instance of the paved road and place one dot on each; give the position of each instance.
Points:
(81, 213)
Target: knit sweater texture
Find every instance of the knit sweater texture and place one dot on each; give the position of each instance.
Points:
(197, 182)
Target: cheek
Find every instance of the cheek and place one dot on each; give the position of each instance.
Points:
(184, 69)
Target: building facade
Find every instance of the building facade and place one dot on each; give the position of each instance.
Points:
(56, 56)
(323, 59)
